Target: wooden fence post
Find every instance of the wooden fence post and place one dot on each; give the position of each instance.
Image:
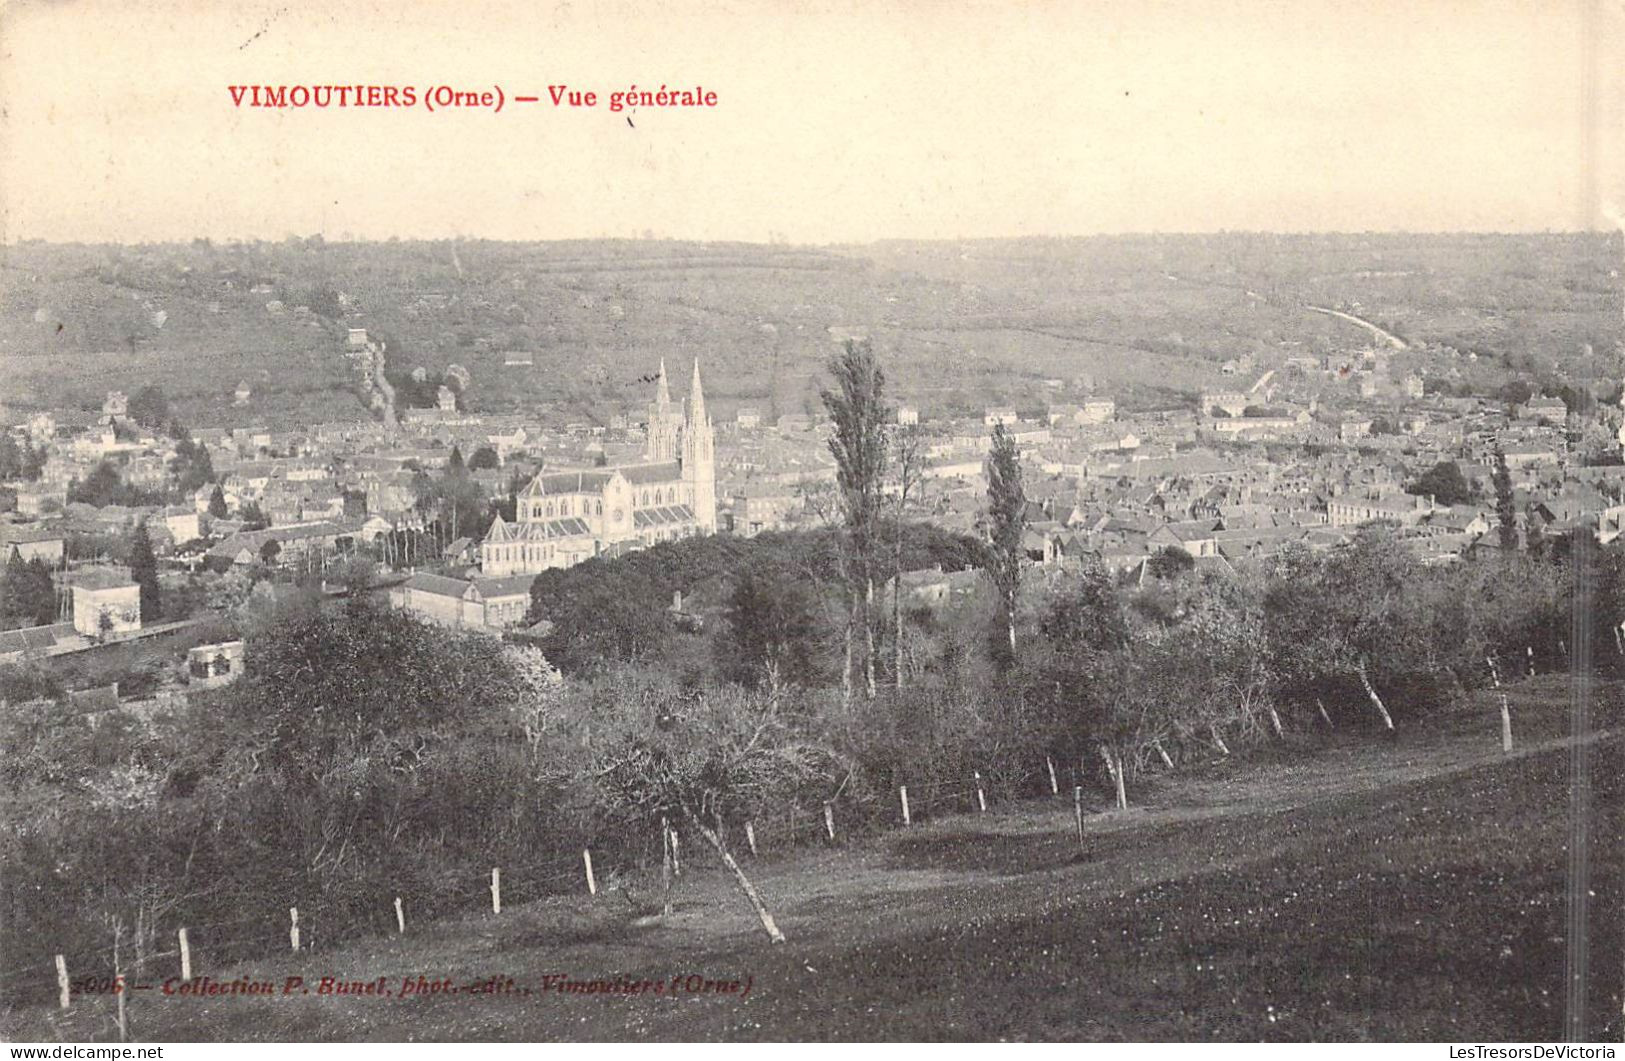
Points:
(981, 797)
(1077, 810)
(829, 819)
(1054, 786)
(293, 927)
(592, 884)
(400, 916)
(1506, 724)
(750, 837)
(902, 794)
(186, 956)
(496, 890)
(63, 996)
(1531, 650)
(676, 854)
(118, 984)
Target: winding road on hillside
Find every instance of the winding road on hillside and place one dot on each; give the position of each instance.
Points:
(1382, 333)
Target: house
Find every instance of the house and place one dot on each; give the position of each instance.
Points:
(747, 419)
(932, 585)
(1097, 411)
(41, 499)
(481, 604)
(246, 548)
(433, 597)
(211, 666)
(181, 522)
(498, 602)
(105, 601)
(1232, 403)
(1196, 537)
(763, 507)
(17, 645)
(94, 701)
(1538, 409)
(31, 543)
(1353, 427)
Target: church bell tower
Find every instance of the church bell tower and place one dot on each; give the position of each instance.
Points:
(699, 457)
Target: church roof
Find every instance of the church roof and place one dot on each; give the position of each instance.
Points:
(546, 530)
(662, 516)
(642, 474)
(582, 482)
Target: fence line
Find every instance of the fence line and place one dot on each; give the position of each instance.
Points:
(920, 799)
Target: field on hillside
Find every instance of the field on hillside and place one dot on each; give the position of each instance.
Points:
(1336, 888)
(1148, 319)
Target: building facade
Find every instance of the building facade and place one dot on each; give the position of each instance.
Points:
(563, 518)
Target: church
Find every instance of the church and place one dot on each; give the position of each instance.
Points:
(563, 518)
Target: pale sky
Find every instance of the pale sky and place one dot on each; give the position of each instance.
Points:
(836, 120)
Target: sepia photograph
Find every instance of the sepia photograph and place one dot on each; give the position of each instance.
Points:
(812, 521)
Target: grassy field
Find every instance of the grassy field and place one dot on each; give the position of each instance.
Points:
(1337, 888)
(1149, 320)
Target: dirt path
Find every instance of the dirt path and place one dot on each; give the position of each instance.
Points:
(1389, 337)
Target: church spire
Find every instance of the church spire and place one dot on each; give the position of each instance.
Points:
(696, 399)
(662, 394)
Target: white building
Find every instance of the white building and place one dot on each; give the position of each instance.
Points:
(105, 601)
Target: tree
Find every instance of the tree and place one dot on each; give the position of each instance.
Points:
(1516, 392)
(483, 459)
(1083, 673)
(770, 628)
(192, 466)
(908, 459)
(1445, 483)
(11, 457)
(1506, 510)
(270, 551)
(144, 569)
(1171, 563)
(149, 408)
(355, 573)
(217, 503)
(27, 592)
(104, 486)
(1007, 523)
(857, 409)
(1350, 616)
(701, 758)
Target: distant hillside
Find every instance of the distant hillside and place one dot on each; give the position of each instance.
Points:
(960, 325)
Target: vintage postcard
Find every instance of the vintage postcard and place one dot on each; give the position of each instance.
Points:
(811, 521)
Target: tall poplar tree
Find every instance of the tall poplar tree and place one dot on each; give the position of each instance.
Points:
(857, 409)
(1006, 523)
(144, 569)
(1506, 510)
